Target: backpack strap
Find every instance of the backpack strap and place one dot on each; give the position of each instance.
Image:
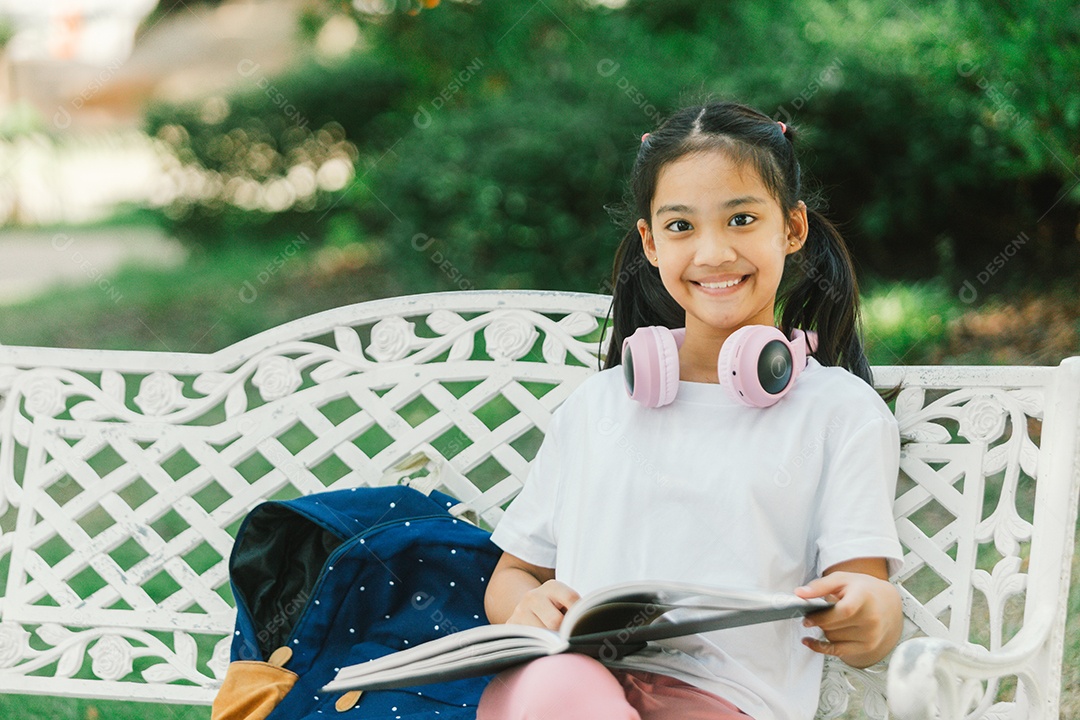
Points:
(425, 471)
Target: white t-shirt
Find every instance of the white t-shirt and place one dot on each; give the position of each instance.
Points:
(708, 491)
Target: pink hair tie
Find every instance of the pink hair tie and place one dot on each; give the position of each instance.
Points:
(644, 137)
(783, 127)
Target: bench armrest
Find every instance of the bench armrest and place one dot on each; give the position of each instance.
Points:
(937, 679)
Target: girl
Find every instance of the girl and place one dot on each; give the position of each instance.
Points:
(796, 496)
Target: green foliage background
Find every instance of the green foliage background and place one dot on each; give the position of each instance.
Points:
(487, 138)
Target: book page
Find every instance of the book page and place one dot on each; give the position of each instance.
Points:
(436, 672)
(607, 624)
(464, 644)
(623, 611)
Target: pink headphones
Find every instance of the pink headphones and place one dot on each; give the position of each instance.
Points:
(757, 364)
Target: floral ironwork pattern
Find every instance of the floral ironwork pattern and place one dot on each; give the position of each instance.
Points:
(163, 439)
(963, 449)
(122, 476)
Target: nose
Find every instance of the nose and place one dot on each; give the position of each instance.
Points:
(714, 249)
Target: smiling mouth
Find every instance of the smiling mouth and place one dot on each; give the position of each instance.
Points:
(722, 285)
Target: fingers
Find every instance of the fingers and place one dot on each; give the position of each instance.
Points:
(545, 605)
(840, 623)
(538, 612)
(548, 615)
(561, 594)
(846, 633)
(863, 625)
(831, 584)
(838, 617)
(841, 639)
(555, 598)
(836, 649)
(848, 591)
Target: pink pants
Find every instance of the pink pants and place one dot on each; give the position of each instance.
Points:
(572, 686)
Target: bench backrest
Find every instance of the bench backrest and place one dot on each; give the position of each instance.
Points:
(124, 476)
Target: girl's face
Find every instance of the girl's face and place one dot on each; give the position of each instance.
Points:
(719, 239)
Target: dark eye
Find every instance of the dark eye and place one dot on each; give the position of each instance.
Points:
(741, 220)
(686, 226)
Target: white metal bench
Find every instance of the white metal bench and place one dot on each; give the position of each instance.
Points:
(124, 475)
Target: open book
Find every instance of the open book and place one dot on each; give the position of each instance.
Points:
(605, 624)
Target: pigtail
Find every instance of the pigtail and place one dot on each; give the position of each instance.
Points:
(639, 297)
(825, 298)
(822, 294)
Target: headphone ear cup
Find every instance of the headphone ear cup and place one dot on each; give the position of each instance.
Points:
(756, 365)
(727, 368)
(650, 359)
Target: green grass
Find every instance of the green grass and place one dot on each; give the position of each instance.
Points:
(198, 307)
(220, 297)
(43, 707)
(209, 302)
(904, 322)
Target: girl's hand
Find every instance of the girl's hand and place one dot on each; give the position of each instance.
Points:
(544, 606)
(863, 626)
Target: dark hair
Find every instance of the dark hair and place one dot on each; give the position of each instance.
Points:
(818, 291)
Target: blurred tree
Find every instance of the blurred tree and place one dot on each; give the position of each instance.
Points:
(485, 139)
(267, 159)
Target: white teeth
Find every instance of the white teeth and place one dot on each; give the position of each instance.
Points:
(717, 286)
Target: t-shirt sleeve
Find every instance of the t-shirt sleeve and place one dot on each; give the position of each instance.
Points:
(855, 517)
(527, 528)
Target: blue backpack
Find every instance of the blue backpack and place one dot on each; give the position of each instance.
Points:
(338, 578)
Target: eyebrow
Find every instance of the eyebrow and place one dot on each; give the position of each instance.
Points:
(744, 200)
